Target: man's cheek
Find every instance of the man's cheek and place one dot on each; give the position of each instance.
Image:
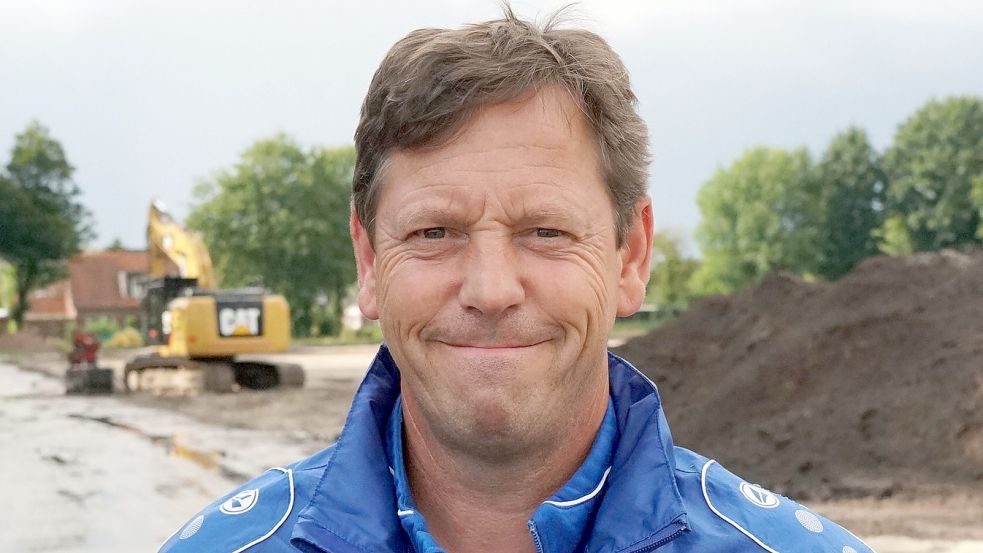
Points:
(572, 295)
(405, 306)
(394, 284)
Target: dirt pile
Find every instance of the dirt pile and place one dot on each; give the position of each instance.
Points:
(868, 386)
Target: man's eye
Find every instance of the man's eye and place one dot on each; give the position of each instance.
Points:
(435, 233)
(547, 233)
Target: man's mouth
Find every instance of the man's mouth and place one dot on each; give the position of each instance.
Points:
(490, 346)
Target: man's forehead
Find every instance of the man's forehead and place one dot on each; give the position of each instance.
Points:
(535, 157)
(550, 119)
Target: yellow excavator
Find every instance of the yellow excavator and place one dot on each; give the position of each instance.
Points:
(199, 330)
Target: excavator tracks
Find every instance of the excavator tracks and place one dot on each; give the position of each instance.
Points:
(180, 375)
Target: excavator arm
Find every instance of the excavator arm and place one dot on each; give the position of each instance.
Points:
(170, 243)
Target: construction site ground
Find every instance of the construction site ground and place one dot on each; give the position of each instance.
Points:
(120, 473)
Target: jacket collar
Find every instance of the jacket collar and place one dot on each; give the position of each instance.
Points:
(642, 505)
(354, 506)
(560, 523)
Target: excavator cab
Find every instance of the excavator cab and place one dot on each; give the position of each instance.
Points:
(160, 292)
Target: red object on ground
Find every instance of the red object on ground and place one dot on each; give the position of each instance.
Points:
(86, 346)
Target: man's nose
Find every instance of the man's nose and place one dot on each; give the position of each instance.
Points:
(491, 282)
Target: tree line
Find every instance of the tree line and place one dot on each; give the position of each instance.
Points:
(781, 210)
(278, 218)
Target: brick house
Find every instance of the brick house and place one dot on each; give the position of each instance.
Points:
(100, 284)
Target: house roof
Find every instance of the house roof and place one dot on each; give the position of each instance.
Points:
(97, 280)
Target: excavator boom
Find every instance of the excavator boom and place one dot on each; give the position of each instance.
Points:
(171, 244)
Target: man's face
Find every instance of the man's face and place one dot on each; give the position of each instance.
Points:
(496, 277)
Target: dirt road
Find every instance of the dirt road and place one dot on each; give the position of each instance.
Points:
(77, 484)
(120, 473)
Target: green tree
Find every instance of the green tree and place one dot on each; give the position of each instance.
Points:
(894, 238)
(279, 218)
(935, 155)
(41, 221)
(850, 187)
(755, 216)
(668, 287)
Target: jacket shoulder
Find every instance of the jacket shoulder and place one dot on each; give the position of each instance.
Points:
(724, 507)
(247, 516)
(252, 515)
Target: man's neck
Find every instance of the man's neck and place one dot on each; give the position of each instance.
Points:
(473, 504)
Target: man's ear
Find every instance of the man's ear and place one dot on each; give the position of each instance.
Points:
(636, 254)
(365, 262)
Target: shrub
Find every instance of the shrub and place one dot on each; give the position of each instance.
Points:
(369, 333)
(103, 328)
(126, 338)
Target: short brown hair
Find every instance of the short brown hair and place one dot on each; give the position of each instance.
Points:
(433, 80)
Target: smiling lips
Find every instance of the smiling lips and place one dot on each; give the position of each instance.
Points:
(491, 346)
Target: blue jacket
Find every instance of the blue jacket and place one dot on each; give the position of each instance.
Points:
(656, 497)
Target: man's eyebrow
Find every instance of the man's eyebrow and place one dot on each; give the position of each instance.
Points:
(546, 211)
(552, 213)
(542, 212)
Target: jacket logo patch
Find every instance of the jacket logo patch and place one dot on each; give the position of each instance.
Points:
(759, 496)
(241, 502)
(809, 521)
(192, 527)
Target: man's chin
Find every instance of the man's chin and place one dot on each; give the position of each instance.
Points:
(491, 432)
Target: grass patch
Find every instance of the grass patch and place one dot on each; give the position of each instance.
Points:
(368, 334)
(632, 328)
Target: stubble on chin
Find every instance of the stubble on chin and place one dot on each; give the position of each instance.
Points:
(485, 406)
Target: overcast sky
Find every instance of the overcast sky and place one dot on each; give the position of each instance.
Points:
(149, 96)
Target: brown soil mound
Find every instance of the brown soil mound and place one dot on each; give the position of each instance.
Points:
(870, 385)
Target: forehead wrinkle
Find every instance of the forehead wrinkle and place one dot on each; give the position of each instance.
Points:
(457, 205)
(424, 165)
(429, 206)
(461, 181)
(536, 207)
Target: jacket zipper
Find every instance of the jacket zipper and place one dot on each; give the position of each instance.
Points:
(652, 546)
(535, 537)
(648, 547)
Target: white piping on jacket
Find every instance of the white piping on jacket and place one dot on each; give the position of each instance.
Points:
(703, 484)
(290, 507)
(579, 500)
(560, 504)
